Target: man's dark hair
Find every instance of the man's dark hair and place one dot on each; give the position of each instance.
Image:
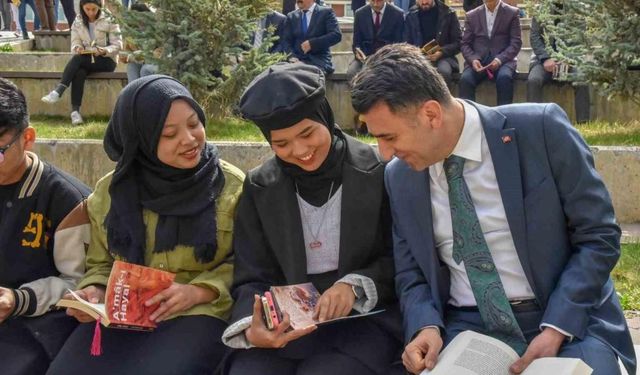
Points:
(400, 76)
(13, 108)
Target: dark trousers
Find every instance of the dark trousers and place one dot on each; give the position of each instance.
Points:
(538, 77)
(602, 359)
(504, 83)
(69, 11)
(47, 14)
(28, 345)
(76, 71)
(357, 346)
(188, 345)
(5, 14)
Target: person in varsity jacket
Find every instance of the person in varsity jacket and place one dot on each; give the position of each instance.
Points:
(44, 229)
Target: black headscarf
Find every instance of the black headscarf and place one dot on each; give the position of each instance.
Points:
(184, 199)
(282, 96)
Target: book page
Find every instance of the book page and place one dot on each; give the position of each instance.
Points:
(94, 309)
(558, 366)
(472, 353)
(299, 301)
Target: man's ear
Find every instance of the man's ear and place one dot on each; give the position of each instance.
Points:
(29, 136)
(433, 111)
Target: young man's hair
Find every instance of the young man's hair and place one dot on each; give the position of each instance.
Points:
(13, 108)
(139, 6)
(400, 76)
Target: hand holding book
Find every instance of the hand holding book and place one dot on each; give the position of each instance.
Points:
(335, 302)
(177, 298)
(260, 336)
(93, 294)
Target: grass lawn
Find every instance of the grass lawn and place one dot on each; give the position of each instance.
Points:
(627, 277)
(596, 133)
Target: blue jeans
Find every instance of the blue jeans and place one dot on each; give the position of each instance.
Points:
(504, 84)
(22, 14)
(137, 70)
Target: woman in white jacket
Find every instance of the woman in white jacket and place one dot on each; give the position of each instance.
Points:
(95, 41)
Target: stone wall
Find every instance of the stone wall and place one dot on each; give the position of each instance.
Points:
(619, 166)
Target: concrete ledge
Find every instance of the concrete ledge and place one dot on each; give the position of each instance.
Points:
(86, 159)
(38, 61)
(59, 41)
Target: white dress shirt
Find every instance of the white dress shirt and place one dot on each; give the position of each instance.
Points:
(480, 177)
(373, 13)
(491, 17)
(309, 13)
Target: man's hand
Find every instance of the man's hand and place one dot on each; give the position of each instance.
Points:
(335, 302)
(546, 344)
(259, 336)
(306, 46)
(78, 50)
(93, 294)
(435, 56)
(422, 351)
(494, 65)
(177, 298)
(7, 303)
(476, 65)
(550, 65)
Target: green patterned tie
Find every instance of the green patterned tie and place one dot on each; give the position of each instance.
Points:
(470, 247)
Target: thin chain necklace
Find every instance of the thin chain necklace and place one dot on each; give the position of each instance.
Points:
(315, 244)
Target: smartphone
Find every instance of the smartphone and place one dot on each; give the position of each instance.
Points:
(266, 314)
(273, 310)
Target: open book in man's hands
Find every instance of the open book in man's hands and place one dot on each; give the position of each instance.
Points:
(129, 286)
(472, 353)
(299, 301)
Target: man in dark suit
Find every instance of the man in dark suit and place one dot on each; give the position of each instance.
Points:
(490, 45)
(375, 25)
(501, 222)
(541, 71)
(290, 5)
(433, 20)
(310, 31)
(276, 21)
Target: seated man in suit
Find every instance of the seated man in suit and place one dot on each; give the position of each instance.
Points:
(490, 45)
(541, 71)
(501, 222)
(309, 33)
(275, 20)
(433, 20)
(44, 231)
(375, 25)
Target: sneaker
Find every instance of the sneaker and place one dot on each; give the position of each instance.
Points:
(76, 118)
(51, 97)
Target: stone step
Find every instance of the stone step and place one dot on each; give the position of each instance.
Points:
(55, 41)
(100, 92)
(39, 61)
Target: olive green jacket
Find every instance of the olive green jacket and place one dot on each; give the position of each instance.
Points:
(216, 274)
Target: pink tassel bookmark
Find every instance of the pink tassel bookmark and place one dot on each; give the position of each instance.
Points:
(96, 343)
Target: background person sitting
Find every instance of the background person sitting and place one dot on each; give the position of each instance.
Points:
(309, 33)
(96, 41)
(44, 229)
(433, 20)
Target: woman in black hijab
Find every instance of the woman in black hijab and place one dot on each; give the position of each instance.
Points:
(316, 212)
(169, 204)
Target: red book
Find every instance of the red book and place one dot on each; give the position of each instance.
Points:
(129, 286)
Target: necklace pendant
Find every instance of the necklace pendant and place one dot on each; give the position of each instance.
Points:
(315, 244)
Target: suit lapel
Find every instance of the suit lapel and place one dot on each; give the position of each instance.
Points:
(359, 205)
(503, 146)
(314, 20)
(483, 20)
(287, 240)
